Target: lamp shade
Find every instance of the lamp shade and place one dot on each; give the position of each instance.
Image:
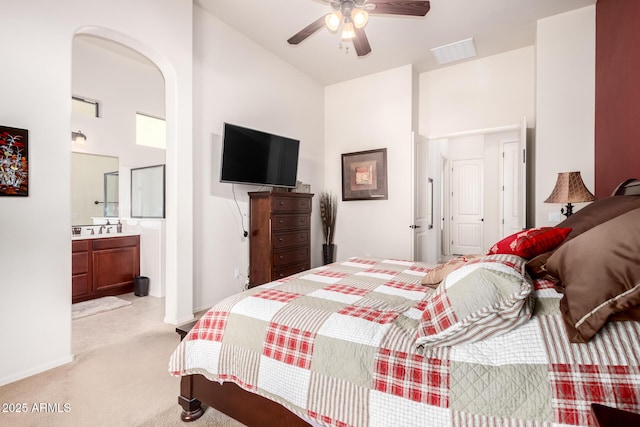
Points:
(360, 17)
(348, 31)
(333, 21)
(570, 189)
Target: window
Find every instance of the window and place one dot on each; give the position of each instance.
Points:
(150, 131)
(85, 107)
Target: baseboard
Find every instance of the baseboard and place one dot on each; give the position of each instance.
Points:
(179, 321)
(34, 371)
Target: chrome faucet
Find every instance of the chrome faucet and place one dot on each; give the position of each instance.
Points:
(101, 228)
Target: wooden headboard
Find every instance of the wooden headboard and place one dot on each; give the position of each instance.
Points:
(630, 187)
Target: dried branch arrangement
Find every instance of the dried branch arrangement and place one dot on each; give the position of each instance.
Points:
(328, 211)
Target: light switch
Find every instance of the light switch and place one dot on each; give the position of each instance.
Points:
(555, 217)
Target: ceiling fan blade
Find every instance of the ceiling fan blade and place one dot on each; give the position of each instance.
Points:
(307, 31)
(399, 7)
(361, 43)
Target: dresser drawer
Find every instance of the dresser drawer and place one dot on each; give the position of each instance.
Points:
(291, 204)
(281, 273)
(289, 222)
(285, 240)
(290, 256)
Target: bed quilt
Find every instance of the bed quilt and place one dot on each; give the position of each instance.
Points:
(336, 344)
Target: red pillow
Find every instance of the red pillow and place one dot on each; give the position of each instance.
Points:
(532, 242)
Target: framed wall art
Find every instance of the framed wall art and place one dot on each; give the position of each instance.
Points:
(364, 175)
(14, 161)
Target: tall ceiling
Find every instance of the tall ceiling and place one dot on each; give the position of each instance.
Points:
(496, 26)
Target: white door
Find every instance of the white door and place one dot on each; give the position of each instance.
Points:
(514, 183)
(510, 205)
(467, 227)
(422, 209)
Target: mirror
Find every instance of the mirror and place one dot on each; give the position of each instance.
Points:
(94, 187)
(147, 192)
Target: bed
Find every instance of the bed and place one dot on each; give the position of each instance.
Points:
(503, 339)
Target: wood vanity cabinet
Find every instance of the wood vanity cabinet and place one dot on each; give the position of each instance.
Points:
(80, 269)
(103, 267)
(280, 235)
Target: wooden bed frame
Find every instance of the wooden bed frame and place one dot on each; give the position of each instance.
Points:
(254, 410)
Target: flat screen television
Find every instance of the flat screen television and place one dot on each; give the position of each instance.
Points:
(254, 157)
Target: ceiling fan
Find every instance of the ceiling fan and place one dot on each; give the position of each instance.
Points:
(354, 14)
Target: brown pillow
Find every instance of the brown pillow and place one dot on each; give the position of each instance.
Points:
(536, 265)
(586, 218)
(433, 278)
(597, 213)
(600, 273)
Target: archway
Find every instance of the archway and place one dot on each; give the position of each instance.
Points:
(178, 255)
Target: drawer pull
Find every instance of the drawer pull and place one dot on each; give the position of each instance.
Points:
(280, 239)
(280, 221)
(281, 257)
(281, 203)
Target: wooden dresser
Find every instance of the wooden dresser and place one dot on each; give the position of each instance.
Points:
(280, 235)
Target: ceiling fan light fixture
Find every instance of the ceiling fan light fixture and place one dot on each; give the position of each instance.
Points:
(333, 20)
(360, 17)
(348, 32)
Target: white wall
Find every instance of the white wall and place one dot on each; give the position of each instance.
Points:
(363, 114)
(237, 81)
(36, 282)
(565, 103)
(486, 93)
(123, 86)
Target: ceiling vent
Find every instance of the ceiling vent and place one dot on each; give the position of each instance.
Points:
(454, 51)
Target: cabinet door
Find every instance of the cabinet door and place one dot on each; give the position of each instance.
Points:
(115, 267)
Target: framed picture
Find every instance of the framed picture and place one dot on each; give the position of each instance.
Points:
(14, 161)
(364, 175)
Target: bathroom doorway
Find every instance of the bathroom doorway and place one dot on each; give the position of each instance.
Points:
(121, 83)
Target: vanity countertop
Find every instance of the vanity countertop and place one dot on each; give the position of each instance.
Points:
(102, 236)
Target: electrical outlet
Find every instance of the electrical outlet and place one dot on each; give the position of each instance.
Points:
(236, 273)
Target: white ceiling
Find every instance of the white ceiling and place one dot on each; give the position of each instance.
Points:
(496, 26)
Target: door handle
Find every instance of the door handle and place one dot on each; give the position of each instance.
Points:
(415, 226)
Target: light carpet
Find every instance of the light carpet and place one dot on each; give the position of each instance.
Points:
(119, 377)
(95, 306)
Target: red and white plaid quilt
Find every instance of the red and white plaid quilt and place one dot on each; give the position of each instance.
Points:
(335, 345)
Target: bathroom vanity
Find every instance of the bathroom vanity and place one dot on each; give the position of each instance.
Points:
(104, 265)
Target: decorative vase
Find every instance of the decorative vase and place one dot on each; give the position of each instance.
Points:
(328, 253)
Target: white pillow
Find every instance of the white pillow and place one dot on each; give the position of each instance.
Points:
(488, 296)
